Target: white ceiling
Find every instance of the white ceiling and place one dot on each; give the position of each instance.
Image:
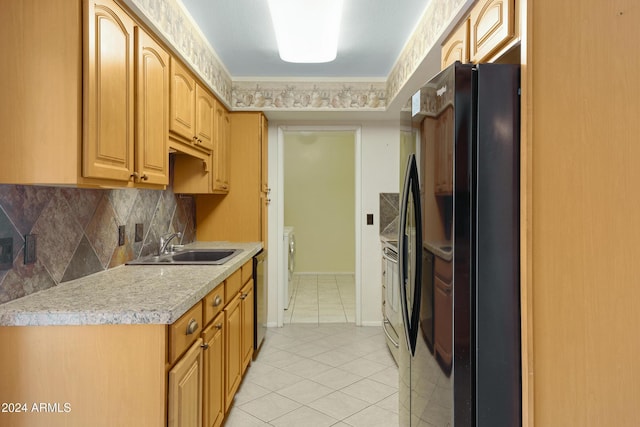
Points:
(373, 33)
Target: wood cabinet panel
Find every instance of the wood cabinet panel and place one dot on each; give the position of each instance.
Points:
(241, 214)
(109, 98)
(247, 299)
(233, 350)
(456, 48)
(213, 383)
(152, 110)
(185, 389)
(492, 24)
(112, 375)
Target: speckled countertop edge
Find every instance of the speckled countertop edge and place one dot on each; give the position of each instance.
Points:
(131, 294)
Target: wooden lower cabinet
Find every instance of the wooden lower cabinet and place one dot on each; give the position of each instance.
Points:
(213, 383)
(185, 389)
(233, 350)
(180, 375)
(247, 297)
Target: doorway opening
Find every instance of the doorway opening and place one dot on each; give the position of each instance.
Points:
(320, 189)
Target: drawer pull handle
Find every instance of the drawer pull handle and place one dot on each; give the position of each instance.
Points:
(192, 326)
(217, 301)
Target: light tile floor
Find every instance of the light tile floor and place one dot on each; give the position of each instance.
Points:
(322, 298)
(321, 374)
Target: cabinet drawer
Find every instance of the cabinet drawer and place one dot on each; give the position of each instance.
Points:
(233, 284)
(443, 269)
(183, 332)
(213, 303)
(247, 271)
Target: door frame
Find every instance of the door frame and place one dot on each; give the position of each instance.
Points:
(357, 134)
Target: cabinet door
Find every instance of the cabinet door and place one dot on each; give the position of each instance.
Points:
(456, 48)
(233, 355)
(152, 120)
(492, 24)
(247, 297)
(213, 384)
(109, 97)
(185, 389)
(182, 106)
(221, 150)
(204, 118)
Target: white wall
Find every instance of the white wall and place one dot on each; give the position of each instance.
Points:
(379, 169)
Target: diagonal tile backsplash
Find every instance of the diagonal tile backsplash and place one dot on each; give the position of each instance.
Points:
(77, 231)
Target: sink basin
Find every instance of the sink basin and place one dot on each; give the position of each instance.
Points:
(189, 257)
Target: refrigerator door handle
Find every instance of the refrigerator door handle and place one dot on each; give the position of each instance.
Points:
(411, 190)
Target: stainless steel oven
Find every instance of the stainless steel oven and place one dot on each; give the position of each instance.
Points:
(391, 296)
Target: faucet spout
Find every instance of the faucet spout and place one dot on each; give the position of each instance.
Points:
(165, 240)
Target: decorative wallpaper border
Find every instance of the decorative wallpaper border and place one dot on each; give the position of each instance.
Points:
(170, 19)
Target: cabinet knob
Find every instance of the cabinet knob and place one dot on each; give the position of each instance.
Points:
(192, 326)
(204, 346)
(134, 176)
(243, 296)
(217, 301)
(195, 138)
(219, 326)
(144, 177)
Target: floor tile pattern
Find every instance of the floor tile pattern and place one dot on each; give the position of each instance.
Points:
(322, 298)
(319, 374)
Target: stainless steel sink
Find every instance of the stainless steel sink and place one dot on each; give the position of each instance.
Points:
(189, 257)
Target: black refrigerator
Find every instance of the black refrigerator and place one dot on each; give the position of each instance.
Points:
(459, 254)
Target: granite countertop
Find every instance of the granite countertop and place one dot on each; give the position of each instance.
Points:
(129, 294)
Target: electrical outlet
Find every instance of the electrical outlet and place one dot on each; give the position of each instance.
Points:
(139, 232)
(6, 253)
(121, 235)
(29, 248)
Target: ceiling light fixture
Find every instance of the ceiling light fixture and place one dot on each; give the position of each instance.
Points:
(306, 30)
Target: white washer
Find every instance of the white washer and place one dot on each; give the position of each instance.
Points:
(289, 261)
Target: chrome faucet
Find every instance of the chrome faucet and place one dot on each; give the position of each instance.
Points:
(164, 241)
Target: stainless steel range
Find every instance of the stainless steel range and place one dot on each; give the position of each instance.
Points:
(391, 295)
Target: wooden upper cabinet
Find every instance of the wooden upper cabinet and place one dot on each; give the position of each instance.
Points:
(152, 118)
(220, 183)
(492, 25)
(205, 110)
(109, 93)
(456, 48)
(182, 106)
(192, 109)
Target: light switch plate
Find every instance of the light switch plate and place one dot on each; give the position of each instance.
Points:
(6, 253)
(121, 235)
(29, 248)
